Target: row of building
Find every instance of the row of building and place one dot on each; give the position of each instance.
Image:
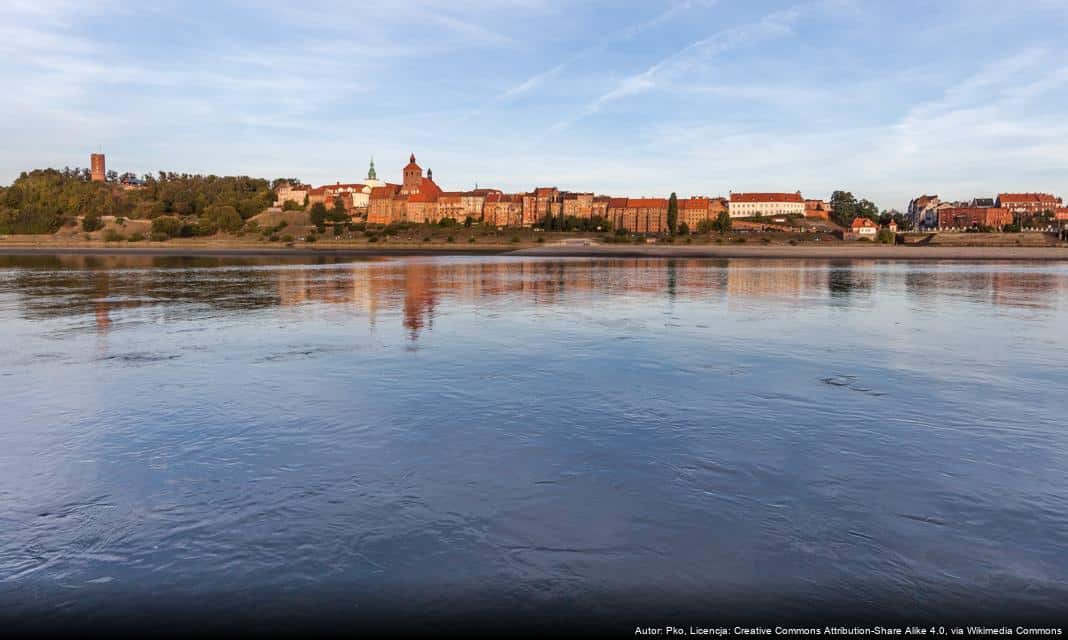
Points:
(931, 212)
(419, 199)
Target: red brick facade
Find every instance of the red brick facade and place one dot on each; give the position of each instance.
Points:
(964, 217)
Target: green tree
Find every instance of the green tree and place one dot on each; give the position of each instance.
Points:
(684, 229)
(223, 216)
(167, 225)
(318, 215)
(706, 226)
(92, 222)
(723, 222)
(867, 209)
(673, 213)
(843, 208)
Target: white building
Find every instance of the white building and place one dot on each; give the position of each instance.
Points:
(751, 205)
(923, 212)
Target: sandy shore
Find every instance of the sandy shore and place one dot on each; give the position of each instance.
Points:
(838, 251)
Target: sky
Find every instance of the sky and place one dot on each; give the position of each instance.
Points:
(962, 98)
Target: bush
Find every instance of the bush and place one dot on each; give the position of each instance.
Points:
(310, 238)
(541, 239)
(159, 237)
(426, 238)
(113, 236)
(450, 239)
(92, 223)
(273, 237)
(887, 236)
(471, 239)
(292, 205)
(448, 222)
(168, 225)
(373, 239)
(222, 217)
(515, 239)
(136, 237)
(287, 238)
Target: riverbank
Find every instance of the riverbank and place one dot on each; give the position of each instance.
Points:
(847, 251)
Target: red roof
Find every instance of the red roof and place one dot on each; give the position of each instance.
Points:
(411, 164)
(387, 191)
(860, 223)
(1044, 198)
(646, 203)
(767, 197)
(542, 192)
(696, 202)
(617, 203)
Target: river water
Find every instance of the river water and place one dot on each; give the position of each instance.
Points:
(438, 438)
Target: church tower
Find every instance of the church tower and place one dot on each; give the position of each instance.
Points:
(413, 177)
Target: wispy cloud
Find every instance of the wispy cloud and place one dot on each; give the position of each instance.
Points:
(697, 52)
(690, 96)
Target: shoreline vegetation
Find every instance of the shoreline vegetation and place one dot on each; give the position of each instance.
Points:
(574, 248)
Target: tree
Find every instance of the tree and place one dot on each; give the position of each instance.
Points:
(867, 209)
(706, 226)
(92, 222)
(339, 208)
(673, 213)
(843, 208)
(167, 225)
(223, 217)
(684, 229)
(318, 215)
(723, 222)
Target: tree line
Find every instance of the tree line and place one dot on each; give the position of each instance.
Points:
(44, 200)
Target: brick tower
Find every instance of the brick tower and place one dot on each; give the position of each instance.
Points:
(99, 172)
(413, 177)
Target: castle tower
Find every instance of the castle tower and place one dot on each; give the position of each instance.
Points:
(371, 175)
(413, 177)
(96, 162)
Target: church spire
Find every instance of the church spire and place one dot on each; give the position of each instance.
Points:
(371, 175)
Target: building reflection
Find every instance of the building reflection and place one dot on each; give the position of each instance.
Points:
(415, 289)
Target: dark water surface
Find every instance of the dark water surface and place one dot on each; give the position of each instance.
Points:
(447, 436)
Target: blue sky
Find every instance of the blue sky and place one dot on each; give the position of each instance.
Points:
(887, 99)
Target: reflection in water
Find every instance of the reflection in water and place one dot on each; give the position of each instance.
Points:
(416, 286)
(431, 435)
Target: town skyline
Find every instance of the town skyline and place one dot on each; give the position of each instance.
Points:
(688, 96)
